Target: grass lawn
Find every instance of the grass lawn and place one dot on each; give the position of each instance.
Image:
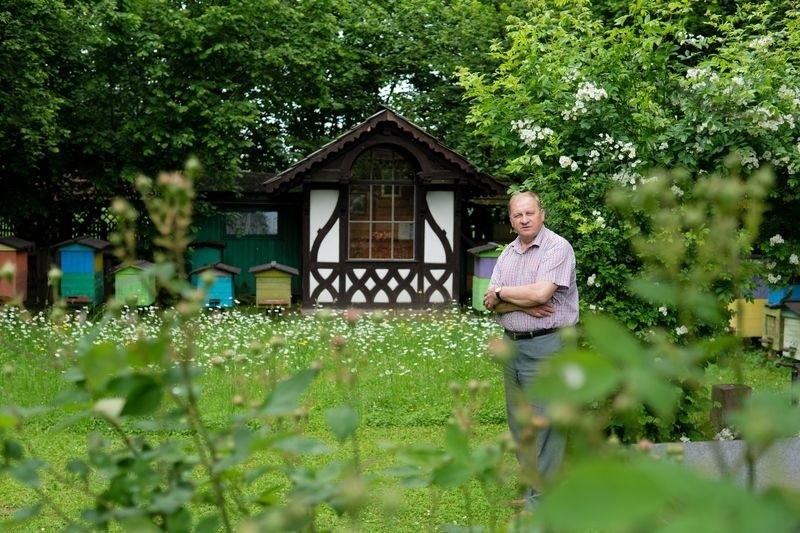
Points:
(405, 373)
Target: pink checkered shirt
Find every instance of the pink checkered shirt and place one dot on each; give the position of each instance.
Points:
(549, 258)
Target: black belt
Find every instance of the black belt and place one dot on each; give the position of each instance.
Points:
(519, 335)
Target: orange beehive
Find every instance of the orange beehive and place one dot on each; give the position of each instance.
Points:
(14, 251)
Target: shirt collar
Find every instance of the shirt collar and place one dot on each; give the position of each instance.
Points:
(516, 244)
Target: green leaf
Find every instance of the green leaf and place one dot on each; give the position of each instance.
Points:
(343, 421)
(613, 340)
(614, 496)
(27, 512)
(144, 353)
(27, 473)
(456, 443)
(653, 390)
(451, 474)
(299, 445)
(12, 450)
(285, 398)
(209, 524)
(578, 376)
(8, 420)
(172, 500)
(179, 521)
(100, 363)
(134, 524)
(144, 396)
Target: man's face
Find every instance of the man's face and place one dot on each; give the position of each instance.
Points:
(527, 218)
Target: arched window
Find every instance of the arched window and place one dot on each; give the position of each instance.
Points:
(381, 206)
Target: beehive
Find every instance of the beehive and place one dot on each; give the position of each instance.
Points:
(82, 276)
(772, 337)
(14, 252)
(747, 317)
(485, 258)
(273, 283)
(202, 253)
(135, 283)
(790, 320)
(221, 291)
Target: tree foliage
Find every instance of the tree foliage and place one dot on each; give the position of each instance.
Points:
(93, 93)
(588, 98)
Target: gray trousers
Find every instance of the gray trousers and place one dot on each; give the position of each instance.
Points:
(540, 450)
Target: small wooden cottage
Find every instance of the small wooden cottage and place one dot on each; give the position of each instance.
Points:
(273, 283)
(383, 212)
(14, 252)
(220, 293)
(82, 270)
(135, 283)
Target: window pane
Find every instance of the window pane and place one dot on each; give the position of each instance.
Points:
(381, 241)
(404, 203)
(404, 240)
(359, 202)
(359, 240)
(254, 223)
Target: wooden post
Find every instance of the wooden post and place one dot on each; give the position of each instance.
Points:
(726, 397)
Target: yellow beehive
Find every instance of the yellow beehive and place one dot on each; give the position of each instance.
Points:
(273, 283)
(747, 318)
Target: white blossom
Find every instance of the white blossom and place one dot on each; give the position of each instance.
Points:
(587, 91)
(574, 376)
(776, 239)
(677, 191)
(663, 310)
(681, 330)
(567, 162)
(590, 281)
(794, 260)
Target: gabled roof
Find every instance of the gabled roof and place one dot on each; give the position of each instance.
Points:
(91, 242)
(16, 243)
(217, 266)
(274, 265)
(287, 179)
(139, 264)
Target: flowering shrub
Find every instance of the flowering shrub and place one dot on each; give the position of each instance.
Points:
(587, 99)
(781, 261)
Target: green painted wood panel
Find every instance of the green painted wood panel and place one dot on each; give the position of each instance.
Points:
(248, 251)
(134, 287)
(80, 285)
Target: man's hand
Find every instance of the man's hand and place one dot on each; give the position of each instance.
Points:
(490, 299)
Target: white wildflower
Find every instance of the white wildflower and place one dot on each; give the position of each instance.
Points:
(794, 260)
(663, 310)
(776, 239)
(681, 330)
(591, 280)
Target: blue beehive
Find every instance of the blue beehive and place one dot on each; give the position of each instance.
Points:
(777, 297)
(220, 294)
(81, 263)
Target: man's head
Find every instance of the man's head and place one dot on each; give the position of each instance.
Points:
(526, 215)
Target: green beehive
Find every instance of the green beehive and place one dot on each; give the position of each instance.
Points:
(273, 283)
(135, 283)
(203, 253)
(82, 275)
(485, 258)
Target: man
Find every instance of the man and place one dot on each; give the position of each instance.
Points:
(534, 293)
